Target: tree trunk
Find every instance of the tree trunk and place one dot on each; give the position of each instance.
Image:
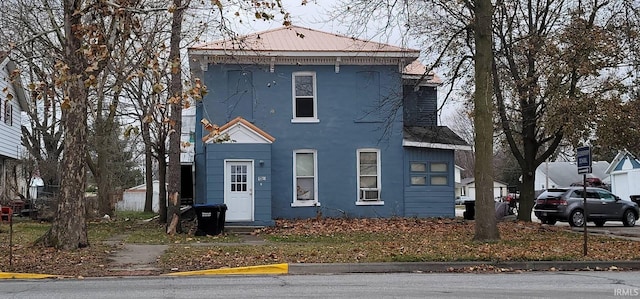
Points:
(485, 226)
(148, 166)
(175, 94)
(527, 196)
(162, 178)
(69, 228)
(103, 180)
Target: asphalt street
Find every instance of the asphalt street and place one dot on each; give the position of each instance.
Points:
(579, 284)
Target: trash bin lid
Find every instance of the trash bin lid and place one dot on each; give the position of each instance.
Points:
(205, 205)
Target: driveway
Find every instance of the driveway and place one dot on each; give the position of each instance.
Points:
(614, 228)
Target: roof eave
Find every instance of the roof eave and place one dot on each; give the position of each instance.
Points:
(17, 86)
(406, 142)
(413, 54)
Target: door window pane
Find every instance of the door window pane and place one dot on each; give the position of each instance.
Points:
(238, 178)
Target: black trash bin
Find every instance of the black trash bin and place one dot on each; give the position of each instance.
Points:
(470, 210)
(222, 211)
(211, 218)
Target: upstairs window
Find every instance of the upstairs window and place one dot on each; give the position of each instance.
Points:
(304, 97)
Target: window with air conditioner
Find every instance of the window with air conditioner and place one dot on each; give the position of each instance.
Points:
(369, 187)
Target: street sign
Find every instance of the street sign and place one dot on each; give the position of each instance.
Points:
(583, 157)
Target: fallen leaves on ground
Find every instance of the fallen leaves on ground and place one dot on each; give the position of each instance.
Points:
(320, 241)
(401, 240)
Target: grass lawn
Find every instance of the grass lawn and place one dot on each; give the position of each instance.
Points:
(308, 241)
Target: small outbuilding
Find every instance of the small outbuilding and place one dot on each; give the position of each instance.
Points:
(624, 172)
(133, 198)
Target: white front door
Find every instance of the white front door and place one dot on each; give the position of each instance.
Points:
(238, 190)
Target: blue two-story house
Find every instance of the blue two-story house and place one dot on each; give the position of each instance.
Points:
(319, 125)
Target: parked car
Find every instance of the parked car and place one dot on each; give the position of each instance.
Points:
(461, 199)
(566, 204)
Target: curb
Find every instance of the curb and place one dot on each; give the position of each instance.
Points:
(428, 267)
(416, 267)
(398, 267)
(10, 275)
(251, 270)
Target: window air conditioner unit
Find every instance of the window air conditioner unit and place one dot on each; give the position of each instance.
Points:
(369, 194)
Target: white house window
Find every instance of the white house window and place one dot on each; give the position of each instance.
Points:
(305, 184)
(368, 176)
(305, 104)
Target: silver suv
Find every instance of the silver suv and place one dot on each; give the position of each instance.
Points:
(566, 204)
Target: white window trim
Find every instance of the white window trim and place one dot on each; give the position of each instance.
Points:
(295, 119)
(359, 202)
(306, 203)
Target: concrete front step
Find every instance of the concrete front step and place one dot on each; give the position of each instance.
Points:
(241, 229)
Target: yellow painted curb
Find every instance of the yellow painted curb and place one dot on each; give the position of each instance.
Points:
(257, 270)
(9, 275)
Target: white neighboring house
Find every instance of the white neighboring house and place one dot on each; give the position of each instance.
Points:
(133, 199)
(187, 136)
(456, 180)
(12, 103)
(624, 172)
(563, 174)
(468, 187)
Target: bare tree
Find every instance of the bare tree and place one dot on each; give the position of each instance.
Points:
(87, 38)
(28, 30)
(175, 102)
(552, 58)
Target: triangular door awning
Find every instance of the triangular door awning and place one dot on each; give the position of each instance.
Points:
(242, 131)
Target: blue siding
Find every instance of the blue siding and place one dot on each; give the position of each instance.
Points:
(239, 100)
(336, 137)
(359, 107)
(214, 175)
(420, 107)
(429, 200)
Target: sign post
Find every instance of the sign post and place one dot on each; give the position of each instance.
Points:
(584, 166)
